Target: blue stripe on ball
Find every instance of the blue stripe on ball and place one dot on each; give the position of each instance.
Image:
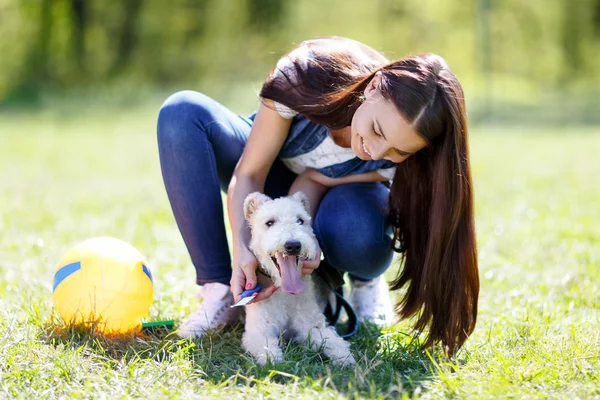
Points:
(64, 272)
(147, 272)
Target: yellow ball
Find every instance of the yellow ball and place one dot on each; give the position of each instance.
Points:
(103, 282)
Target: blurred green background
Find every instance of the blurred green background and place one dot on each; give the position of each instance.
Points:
(530, 62)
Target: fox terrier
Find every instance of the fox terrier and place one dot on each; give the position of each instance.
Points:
(282, 237)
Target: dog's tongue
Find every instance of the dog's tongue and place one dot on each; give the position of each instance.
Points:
(290, 276)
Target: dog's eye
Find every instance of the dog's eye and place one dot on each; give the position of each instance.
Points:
(300, 221)
(269, 223)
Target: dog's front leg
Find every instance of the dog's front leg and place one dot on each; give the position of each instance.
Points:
(261, 337)
(316, 333)
(263, 347)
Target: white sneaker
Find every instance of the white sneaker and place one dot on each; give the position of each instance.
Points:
(213, 312)
(371, 301)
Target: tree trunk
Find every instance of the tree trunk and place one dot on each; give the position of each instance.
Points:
(127, 36)
(79, 23)
(571, 40)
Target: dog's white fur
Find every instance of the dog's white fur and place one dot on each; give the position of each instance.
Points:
(293, 316)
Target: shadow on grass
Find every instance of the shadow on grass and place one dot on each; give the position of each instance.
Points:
(389, 363)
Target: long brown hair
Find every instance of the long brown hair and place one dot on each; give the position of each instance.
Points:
(431, 197)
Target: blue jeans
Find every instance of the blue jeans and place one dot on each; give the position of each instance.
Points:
(200, 142)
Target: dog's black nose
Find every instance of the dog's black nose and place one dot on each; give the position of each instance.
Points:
(292, 248)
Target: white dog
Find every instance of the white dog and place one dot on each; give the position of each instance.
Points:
(281, 237)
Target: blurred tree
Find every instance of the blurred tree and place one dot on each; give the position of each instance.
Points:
(484, 51)
(519, 49)
(571, 38)
(266, 15)
(596, 17)
(36, 71)
(127, 37)
(79, 18)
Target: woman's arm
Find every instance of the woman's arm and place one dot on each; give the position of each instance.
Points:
(328, 182)
(313, 190)
(314, 185)
(267, 136)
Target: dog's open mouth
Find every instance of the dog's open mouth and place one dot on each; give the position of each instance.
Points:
(287, 266)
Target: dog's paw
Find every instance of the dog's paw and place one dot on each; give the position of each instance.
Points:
(344, 361)
(263, 359)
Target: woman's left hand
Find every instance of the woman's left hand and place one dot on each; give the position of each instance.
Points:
(308, 266)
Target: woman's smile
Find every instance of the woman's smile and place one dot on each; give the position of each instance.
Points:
(364, 148)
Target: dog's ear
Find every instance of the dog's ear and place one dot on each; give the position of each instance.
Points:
(301, 197)
(252, 202)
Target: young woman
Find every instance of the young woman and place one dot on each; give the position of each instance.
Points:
(337, 121)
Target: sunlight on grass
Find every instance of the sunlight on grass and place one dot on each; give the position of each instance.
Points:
(65, 179)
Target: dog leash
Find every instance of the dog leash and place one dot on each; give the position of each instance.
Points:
(332, 317)
(335, 281)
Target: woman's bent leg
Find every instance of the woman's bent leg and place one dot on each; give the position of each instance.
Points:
(352, 228)
(200, 142)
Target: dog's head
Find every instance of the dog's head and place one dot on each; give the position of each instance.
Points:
(281, 236)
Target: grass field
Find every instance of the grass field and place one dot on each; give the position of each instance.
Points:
(65, 178)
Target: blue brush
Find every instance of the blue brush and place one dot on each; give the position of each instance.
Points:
(248, 296)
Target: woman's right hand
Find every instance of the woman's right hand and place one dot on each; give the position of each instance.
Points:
(243, 276)
(269, 132)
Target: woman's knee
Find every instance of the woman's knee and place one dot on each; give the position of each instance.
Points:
(181, 111)
(363, 257)
(353, 231)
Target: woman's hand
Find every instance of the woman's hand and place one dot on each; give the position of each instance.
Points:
(308, 266)
(243, 276)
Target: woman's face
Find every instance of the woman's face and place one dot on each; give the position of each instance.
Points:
(379, 131)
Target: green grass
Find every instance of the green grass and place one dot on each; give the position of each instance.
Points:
(68, 177)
